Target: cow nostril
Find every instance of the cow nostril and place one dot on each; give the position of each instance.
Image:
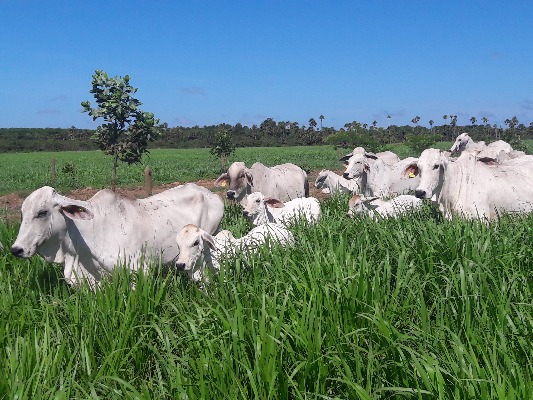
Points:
(420, 193)
(345, 175)
(245, 213)
(230, 194)
(180, 266)
(17, 251)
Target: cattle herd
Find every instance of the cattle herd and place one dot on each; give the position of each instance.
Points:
(180, 226)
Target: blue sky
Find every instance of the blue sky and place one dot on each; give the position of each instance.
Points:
(209, 62)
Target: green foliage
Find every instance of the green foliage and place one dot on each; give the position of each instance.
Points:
(350, 139)
(223, 146)
(127, 130)
(420, 142)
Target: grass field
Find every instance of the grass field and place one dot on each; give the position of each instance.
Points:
(415, 307)
(25, 172)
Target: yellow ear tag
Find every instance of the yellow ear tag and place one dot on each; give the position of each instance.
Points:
(223, 183)
(411, 175)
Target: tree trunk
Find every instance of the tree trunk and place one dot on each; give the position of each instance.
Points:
(114, 180)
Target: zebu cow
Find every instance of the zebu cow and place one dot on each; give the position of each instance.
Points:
(473, 189)
(356, 161)
(498, 151)
(284, 182)
(330, 182)
(381, 179)
(375, 206)
(200, 251)
(264, 210)
(91, 237)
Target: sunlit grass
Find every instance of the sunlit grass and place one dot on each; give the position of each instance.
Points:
(417, 307)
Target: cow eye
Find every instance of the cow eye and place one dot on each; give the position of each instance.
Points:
(436, 166)
(196, 242)
(42, 214)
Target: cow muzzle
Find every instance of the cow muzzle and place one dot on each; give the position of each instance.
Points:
(421, 194)
(180, 266)
(17, 251)
(230, 194)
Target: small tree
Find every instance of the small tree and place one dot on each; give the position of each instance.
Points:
(418, 143)
(127, 130)
(223, 147)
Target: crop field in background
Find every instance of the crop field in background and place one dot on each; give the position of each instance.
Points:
(25, 172)
(415, 307)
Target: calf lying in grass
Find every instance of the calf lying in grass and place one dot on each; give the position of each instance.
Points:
(264, 210)
(374, 206)
(330, 182)
(199, 251)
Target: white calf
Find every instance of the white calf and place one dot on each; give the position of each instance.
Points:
(200, 251)
(330, 182)
(263, 210)
(374, 206)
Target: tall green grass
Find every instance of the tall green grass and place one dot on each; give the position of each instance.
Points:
(416, 307)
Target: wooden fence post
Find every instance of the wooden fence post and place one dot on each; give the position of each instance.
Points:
(148, 180)
(53, 171)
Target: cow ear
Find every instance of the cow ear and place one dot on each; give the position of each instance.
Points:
(274, 203)
(367, 201)
(208, 240)
(345, 158)
(249, 178)
(371, 155)
(487, 160)
(411, 171)
(73, 211)
(222, 180)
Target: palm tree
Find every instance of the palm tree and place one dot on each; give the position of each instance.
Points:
(415, 121)
(453, 123)
(473, 120)
(321, 118)
(431, 122)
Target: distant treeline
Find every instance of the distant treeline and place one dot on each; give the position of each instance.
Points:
(268, 133)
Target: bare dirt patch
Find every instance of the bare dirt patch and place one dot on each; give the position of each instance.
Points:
(10, 204)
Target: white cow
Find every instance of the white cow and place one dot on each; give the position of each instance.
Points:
(380, 179)
(375, 206)
(355, 162)
(498, 151)
(199, 251)
(474, 189)
(330, 182)
(91, 237)
(263, 210)
(284, 182)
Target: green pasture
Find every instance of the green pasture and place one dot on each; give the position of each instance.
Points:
(25, 172)
(415, 308)
(410, 308)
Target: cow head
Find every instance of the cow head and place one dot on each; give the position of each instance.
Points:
(461, 143)
(194, 245)
(237, 180)
(321, 179)
(359, 204)
(255, 207)
(431, 165)
(358, 164)
(44, 214)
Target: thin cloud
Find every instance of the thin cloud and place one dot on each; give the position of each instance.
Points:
(193, 91)
(527, 105)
